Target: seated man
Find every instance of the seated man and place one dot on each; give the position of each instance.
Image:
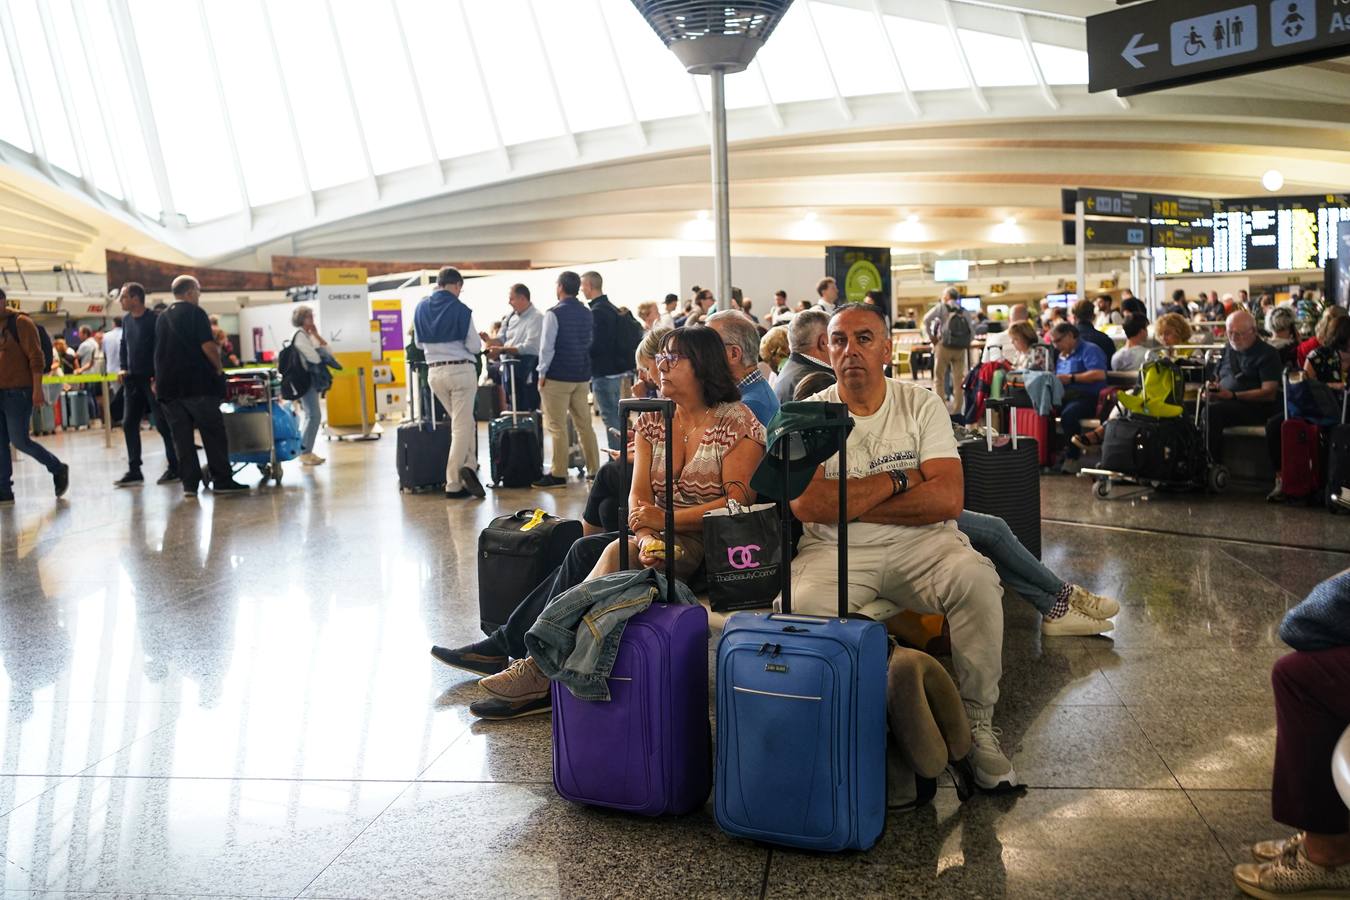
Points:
(905, 551)
(1081, 368)
(1248, 382)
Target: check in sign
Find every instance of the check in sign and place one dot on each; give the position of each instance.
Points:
(1167, 43)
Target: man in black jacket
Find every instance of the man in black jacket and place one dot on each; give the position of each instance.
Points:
(135, 367)
(189, 385)
(809, 343)
(608, 365)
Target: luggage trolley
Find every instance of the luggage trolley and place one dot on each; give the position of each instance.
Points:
(258, 430)
(1207, 473)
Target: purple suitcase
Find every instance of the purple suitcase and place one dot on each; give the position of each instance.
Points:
(649, 749)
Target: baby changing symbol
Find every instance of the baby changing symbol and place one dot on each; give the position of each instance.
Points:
(1292, 21)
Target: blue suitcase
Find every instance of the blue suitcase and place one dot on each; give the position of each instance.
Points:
(801, 717)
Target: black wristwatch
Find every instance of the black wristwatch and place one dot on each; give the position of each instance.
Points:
(899, 481)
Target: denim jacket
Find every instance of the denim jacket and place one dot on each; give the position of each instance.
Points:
(1045, 390)
(576, 638)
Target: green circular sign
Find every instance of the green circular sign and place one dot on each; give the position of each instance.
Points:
(862, 277)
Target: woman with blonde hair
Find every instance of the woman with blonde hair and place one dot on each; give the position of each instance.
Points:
(1172, 329)
(773, 350)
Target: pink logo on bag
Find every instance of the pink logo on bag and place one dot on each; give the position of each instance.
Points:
(743, 557)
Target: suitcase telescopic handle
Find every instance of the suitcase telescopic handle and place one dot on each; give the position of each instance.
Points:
(837, 414)
(666, 408)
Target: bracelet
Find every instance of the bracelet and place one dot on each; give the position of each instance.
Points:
(899, 481)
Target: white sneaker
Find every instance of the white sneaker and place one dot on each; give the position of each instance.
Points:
(312, 459)
(1276, 494)
(992, 769)
(1094, 606)
(1074, 622)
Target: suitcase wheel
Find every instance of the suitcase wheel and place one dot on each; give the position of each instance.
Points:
(1217, 479)
(1102, 489)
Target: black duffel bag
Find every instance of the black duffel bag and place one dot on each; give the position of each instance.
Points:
(1153, 449)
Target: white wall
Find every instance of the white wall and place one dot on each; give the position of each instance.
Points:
(628, 282)
(275, 321)
(757, 276)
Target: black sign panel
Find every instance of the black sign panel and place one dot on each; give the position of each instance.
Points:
(1182, 237)
(1114, 203)
(1167, 43)
(1107, 233)
(858, 270)
(1180, 209)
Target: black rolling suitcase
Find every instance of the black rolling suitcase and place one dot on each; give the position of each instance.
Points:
(1005, 482)
(1337, 468)
(516, 553)
(423, 446)
(516, 443)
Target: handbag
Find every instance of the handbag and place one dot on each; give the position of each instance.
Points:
(743, 555)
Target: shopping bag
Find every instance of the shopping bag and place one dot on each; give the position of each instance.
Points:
(743, 553)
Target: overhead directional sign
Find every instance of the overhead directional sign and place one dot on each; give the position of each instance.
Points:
(1114, 203)
(1182, 237)
(1166, 43)
(1181, 209)
(1109, 233)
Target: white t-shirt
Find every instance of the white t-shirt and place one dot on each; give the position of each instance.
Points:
(911, 427)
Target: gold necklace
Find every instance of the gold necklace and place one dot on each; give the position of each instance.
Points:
(703, 421)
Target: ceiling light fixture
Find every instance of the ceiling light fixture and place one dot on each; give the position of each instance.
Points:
(1011, 221)
(810, 216)
(1272, 180)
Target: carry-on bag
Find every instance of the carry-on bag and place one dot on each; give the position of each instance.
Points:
(515, 554)
(1036, 428)
(647, 750)
(1143, 447)
(486, 403)
(44, 419)
(1300, 454)
(1005, 481)
(75, 409)
(801, 712)
(1338, 460)
(423, 449)
(515, 443)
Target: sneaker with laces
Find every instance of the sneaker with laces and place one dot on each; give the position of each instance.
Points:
(1266, 851)
(993, 771)
(482, 658)
(494, 709)
(131, 478)
(522, 680)
(311, 459)
(1074, 622)
(169, 476)
(1292, 874)
(1094, 606)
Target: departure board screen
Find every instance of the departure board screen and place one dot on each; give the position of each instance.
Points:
(1287, 233)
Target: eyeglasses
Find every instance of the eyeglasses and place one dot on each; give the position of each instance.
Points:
(667, 361)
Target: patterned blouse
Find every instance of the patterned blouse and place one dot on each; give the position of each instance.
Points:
(1326, 365)
(700, 481)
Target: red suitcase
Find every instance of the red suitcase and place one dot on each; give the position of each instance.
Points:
(1031, 424)
(1300, 458)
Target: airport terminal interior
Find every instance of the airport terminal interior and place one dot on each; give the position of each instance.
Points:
(343, 344)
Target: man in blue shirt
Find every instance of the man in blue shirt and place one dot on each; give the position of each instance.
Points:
(564, 376)
(444, 328)
(522, 333)
(1081, 368)
(741, 339)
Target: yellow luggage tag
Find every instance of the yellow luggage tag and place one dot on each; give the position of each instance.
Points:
(535, 520)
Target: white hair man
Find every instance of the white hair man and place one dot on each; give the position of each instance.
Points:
(809, 351)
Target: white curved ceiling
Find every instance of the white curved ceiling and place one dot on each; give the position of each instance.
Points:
(225, 130)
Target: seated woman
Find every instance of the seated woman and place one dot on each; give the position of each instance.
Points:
(1024, 340)
(602, 505)
(717, 443)
(773, 350)
(1324, 325)
(1280, 325)
(1326, 364)
(1312, 710)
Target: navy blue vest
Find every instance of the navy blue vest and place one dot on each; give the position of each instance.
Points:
(572, 344)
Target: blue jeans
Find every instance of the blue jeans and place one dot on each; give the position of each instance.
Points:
(1076, 408)
(16, 415)
(313, 416)
(605, 389)
(1017, 568)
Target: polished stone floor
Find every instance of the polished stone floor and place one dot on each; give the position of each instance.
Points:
(232, 697)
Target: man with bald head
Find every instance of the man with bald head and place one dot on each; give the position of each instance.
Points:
(1247, 383)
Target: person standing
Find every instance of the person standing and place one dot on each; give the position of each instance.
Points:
(112, 355)
(307, 342)
(951, 333)
(445, 329)
(609, 366)
(21, 370)
(827, 290)
(564, 376)
(190, 385)
(521, 338)
(135, 365)
(672, 306)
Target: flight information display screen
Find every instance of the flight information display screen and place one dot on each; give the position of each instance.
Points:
(1288, 233)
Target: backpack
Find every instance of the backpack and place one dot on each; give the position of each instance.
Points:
(628, 334)
(956, 331)
(44, 339)
(1161, 390)
(295, 377)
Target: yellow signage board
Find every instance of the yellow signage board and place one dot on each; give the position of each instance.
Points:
(341, 276)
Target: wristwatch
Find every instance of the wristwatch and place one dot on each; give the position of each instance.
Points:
(899, 481)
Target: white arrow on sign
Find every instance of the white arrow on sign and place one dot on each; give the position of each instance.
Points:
(1133, 50)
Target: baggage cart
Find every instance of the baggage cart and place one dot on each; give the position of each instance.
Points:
(259, 430)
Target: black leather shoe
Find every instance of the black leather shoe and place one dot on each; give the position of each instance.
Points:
(549, 481)
(61, 480)
(132, 477)
(469, 478)
(511, 709)
(169, 476)
(473, 658)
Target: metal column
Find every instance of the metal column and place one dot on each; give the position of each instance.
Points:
(1080, 270)
(721, 191)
